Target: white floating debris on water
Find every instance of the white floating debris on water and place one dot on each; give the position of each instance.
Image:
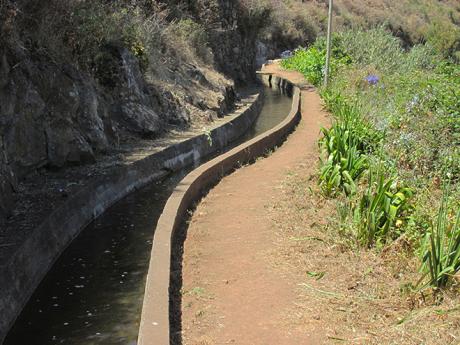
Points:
(65, 323)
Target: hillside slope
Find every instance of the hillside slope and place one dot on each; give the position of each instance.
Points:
(414, 21)
(80, 79)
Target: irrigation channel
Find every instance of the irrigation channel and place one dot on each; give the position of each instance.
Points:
(94, 292)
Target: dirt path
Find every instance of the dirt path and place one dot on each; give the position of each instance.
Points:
(233, 293)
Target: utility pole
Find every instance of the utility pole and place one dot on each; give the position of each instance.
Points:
(328, 50)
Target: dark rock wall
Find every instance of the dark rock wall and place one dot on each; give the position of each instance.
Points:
(54, 114)
(232, 37)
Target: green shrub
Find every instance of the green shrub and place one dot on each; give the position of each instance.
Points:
(445, 37)
(365, 136)
(376, 47)
(311, 62)
(97, 24)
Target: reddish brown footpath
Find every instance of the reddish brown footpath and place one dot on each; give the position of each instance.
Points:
(232, 293)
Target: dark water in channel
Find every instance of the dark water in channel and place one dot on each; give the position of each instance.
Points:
(94, 292)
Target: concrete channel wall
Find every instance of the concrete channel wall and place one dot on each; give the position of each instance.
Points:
(20, 276)
(155, 324)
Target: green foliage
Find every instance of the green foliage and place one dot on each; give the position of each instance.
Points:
(311, 62)
(365, 136)
(416, 101)
(441, 250)
(345, 145)
(345, 161)
(413, 98)
(376, 47)
(383, 208)
(445, 38)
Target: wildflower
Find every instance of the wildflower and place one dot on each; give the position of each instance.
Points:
(412, 104)
(372, 79)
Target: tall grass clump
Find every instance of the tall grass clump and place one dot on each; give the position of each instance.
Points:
(383, 209)
(441, 248)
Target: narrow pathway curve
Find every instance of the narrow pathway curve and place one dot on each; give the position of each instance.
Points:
(232, 294)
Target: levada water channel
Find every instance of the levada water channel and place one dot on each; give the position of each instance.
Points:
(93, 294)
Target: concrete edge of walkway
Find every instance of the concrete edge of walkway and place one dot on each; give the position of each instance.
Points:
(22, 273)
(155, 319)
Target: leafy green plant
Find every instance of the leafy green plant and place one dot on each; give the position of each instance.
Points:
(311, 62)
(441, 249)
(345, 145)
(383, 207)
(345, 162)
(366, 138)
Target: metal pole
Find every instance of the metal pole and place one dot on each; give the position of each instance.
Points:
(328, 51)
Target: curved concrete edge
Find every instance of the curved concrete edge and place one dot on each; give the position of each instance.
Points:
(155, 318)
(20, 276)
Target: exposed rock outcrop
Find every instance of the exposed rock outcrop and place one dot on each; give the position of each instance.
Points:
(54, 114)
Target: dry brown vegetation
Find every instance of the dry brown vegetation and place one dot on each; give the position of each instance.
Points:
(437, 22)
(356, 296)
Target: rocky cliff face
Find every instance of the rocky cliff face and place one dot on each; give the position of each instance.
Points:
(54, 114)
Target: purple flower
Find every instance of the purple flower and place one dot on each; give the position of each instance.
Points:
(372, 79)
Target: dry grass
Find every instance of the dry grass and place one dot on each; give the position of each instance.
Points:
(354, 296)
(437, 22)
